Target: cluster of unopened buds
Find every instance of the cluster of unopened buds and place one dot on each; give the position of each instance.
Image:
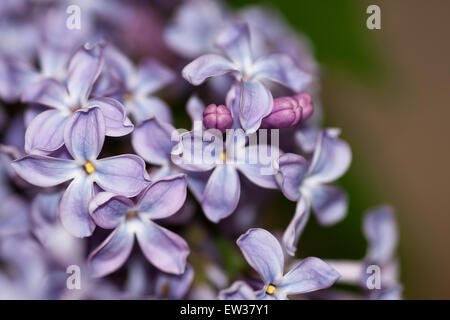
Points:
(91, 159)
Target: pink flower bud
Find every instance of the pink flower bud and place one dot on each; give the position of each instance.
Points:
(217, 117)
(289, 111)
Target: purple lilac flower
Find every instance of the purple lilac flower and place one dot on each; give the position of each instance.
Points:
(217, 117)
(45, 133)
(222, 191)
(174, 287)
(163, 248)
(84, 137)
(137, 85)
(307, 183)
(264, 254)
(255, 99)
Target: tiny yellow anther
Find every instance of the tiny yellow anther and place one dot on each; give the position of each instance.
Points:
(131, 214)
(127, 97)
(270, 289)
(89, 167)
(223, 156)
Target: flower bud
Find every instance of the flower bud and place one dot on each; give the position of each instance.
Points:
(289, 111)
(217, 117)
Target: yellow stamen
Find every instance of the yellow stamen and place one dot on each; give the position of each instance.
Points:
(127, 97)
(165, 289)
(131, 214)
(223, 156)
(89, 167)
(270, 289)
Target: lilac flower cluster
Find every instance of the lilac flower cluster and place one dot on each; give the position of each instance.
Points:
(89, 144)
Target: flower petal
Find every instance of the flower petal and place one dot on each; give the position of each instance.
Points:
(124, 174)
(113, 252)
(263, 253)
(74, 207)
(256, 102)
(309, 275)
(329, 204)
(146, 107)
(84, 134)
(331, 158)
(234, 41)
(280, 68)
(195, 108)
(116, 122)
(222, 193)
(380, 229)
(164, 249)
(239, 290)
(14, 217)
(84, 68)
(45, 132)
(206, 66)
(292, 169)
(295, 228)
(107, 209)
(151, 140)
(173, 287)
(163, 198)
(48, 92)
(152, 76)
(45, 171)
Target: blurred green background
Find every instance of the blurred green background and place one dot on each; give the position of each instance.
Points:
(388, 90)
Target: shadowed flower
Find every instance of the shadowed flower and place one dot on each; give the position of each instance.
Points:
(45, 133)
(307, 183)
(84, 136)
(264, 254)
(129, 219)
(174, 287)
(255, 99)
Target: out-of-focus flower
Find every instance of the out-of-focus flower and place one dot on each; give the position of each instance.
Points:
(265, 255)
(45, 133)
(163, 248)
(217, 117)
(255, 100)
(289, 111)
(84, 137)
(173, 287)
(137, 85)
(307, 183)
(222, 192)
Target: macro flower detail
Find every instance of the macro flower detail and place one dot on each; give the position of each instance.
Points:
(45, 133)
(255, 100)
(135, 218)
(264, 254)
(217, 117)
(307, 183)
(84, 136)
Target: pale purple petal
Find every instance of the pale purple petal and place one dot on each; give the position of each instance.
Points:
(256, 102)
(152, 141)
(84, 68)
(280, 68)
(164, 249)
(84, 134)
(292, 169)
(195, 108)
(117, 63)
(222, 193)
(190, 152)
(46, 132)
(74, 207)
(116, 122)
(113, 252)
(261, 173)
(162, 198)
(197, 183)
(263, 253)
(329, 204)
(234, 41)
(295, 228)
(124, 174)
(108, 209)
(239, 290)
(381, 232)
(173, 287)
(45, 171)
(152, 76)
(14, 217)
(206, 66)
(143, 108)
(331, 158)
(309, 275)
(48, 92)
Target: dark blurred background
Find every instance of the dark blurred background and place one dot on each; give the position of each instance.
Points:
(389, 91)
